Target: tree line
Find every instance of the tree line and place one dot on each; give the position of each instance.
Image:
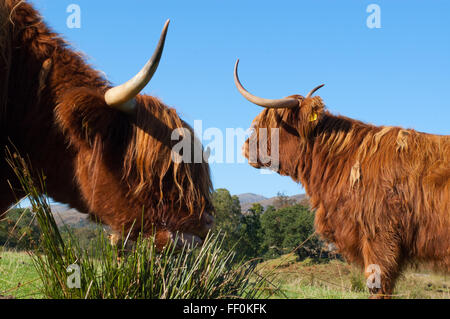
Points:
(285, 227)
(259, 233)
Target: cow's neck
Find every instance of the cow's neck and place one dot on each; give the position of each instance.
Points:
(326, 161)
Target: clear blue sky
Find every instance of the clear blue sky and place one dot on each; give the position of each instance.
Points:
(396, 75)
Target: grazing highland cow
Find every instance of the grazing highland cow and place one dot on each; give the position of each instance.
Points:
(381, 194)
(104, 150)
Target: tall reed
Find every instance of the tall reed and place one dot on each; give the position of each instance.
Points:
(69, 271)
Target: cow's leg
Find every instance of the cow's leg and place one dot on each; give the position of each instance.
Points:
(382, 265)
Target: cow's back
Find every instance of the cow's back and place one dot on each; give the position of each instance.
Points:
(5, 53)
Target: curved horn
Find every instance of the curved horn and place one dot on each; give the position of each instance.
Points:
(122, 96)
(314, 90)
(268, 103)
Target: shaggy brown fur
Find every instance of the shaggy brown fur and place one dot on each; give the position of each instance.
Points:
(95, 158)
(381, 194)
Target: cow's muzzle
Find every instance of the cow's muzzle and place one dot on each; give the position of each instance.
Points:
(189, 238)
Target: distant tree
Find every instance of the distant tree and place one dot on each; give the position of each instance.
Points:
(250, 233)
(19, 230)
(283, 201)
(228, 215)
(256, 209)
(297, 225)
(271, 224)
(288, 229)
(267, 233)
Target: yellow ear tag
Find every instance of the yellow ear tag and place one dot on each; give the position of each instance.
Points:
(313, 117)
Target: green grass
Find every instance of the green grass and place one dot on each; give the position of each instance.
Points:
(106, 272)
(18, 277)
(334, 280)
(338, 280)
(206, 272)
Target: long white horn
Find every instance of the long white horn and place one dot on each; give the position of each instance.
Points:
(122, 97)
(267, 103)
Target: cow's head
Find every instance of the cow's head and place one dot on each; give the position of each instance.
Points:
(295, 117)
(124, 163)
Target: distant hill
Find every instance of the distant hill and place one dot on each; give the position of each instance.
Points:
(65, 215)
(248, 199)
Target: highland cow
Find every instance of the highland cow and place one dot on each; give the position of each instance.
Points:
(104, 150)
(381, 194)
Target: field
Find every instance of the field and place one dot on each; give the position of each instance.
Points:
(338, 280)
(333, 280)
(18, 277)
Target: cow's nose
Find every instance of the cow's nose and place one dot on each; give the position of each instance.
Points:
(251, 160)
(245, 150)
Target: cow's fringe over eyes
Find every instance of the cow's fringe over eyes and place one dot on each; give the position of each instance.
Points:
(148, 160)
(104, 162)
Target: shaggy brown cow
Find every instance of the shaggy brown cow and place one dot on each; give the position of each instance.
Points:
(104, 150)
(381, 194)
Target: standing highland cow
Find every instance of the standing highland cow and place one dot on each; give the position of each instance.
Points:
(381, 194)
(104, 150)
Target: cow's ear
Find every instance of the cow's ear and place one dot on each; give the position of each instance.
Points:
(84, 117)
(311, 111)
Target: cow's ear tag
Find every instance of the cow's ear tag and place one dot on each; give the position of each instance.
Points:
(313, 117)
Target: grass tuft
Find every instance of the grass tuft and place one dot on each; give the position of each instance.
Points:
(101, 271)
